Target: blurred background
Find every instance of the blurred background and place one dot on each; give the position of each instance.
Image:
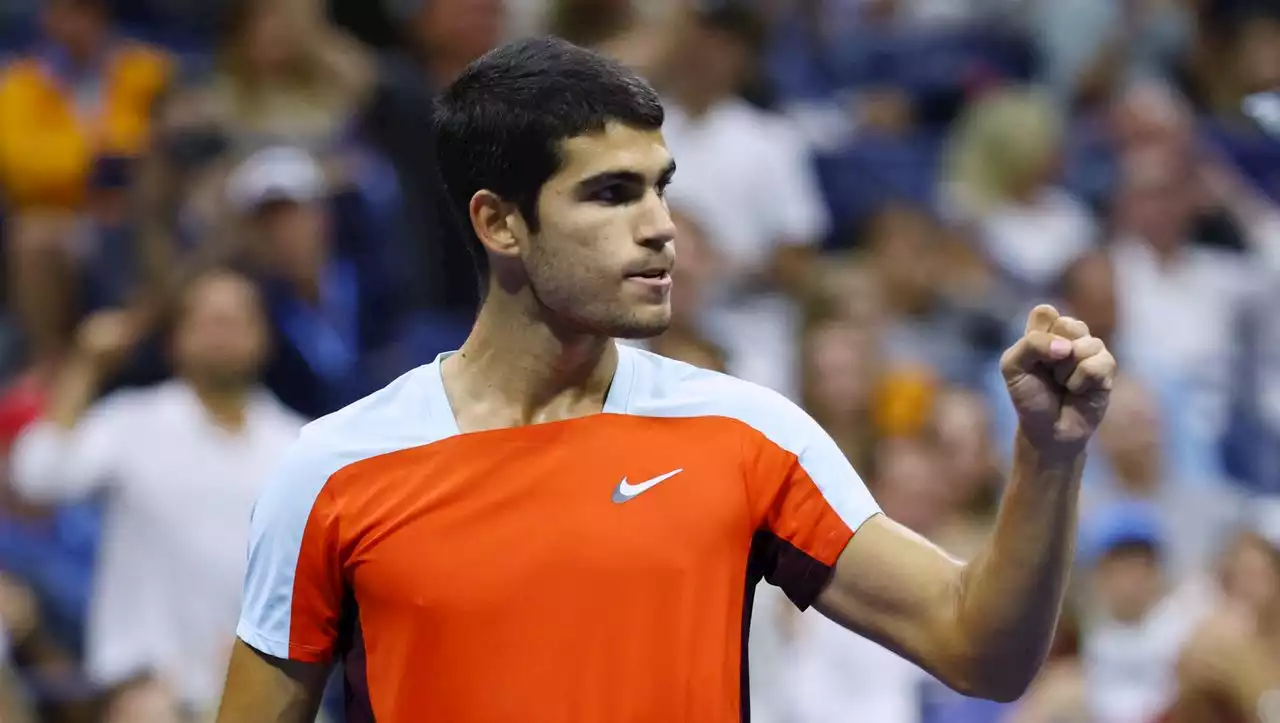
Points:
(220, 218)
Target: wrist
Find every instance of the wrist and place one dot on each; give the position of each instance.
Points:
(1049, 455)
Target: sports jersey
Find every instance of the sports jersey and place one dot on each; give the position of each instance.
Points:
(594, 569)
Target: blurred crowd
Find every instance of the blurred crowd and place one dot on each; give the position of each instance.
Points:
(220, 219)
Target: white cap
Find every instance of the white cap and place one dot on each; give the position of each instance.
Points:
(282, 173)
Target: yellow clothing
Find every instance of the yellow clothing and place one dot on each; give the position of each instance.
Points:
(48, 145)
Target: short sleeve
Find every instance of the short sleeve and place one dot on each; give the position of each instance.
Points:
(294, 585)
(809, 498)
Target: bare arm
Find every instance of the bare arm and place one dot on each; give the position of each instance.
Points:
(262, 689)
(71, 451)
(985, 627)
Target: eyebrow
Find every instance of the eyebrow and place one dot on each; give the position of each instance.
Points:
(632, 177)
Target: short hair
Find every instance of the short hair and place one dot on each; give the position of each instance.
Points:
(500, 124)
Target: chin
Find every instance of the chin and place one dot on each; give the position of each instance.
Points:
(639, 332)
(640, 327)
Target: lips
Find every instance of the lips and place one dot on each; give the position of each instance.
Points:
(650, 274)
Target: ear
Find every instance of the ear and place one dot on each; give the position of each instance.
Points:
(497, 223)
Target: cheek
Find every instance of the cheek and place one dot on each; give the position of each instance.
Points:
(581, 249)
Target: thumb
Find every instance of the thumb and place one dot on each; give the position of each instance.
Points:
(1036, 347)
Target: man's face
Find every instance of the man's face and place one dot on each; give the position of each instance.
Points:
(221, 339)
(294, 238)
(1157, 201)
(1129, 582)
(602, 257)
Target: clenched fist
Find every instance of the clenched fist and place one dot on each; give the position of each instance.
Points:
(1059, 378)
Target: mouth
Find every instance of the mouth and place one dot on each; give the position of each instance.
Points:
(657, 277)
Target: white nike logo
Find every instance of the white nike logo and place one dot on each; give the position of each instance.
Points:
(626, 491)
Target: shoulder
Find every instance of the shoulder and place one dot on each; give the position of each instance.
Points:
(392, 419)
(663, 387)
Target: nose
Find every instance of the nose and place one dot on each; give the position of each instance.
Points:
(655, 228)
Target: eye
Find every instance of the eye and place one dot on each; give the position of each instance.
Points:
(615, 194)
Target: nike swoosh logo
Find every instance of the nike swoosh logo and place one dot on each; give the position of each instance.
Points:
(627, 491)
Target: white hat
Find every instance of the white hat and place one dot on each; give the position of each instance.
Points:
(282, 173)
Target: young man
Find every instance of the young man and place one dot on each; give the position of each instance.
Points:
(547, 526)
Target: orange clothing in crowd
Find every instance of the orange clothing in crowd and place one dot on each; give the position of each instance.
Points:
(48, 144)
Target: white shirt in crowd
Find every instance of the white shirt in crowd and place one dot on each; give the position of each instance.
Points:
(179, 490)
(1037, 241)
(1203, 292)
(836, 676)
(746, 177)
(1130, 669)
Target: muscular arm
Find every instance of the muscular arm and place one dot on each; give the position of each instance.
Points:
(262, 689)
(984, 627)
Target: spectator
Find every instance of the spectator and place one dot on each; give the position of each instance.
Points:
(963, 426)
(1162, 273)
(1001, 171)
(761, 211)
(1233, 55)
(1131, 642)
(336, 316)
(180, 464)
(285, 75)
(1132, 439)
(841, 366)
(1227, 668)
(921, 323)
(440, 38)
(1097, 45)
(75, 106)
(84, 94)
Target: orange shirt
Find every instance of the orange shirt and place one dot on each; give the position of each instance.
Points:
(597, 569)
(48, 145)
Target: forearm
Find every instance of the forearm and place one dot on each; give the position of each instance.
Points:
(75, 390)
(1011, 594)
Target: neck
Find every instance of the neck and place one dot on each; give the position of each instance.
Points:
(225, 405)
(516, 368)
